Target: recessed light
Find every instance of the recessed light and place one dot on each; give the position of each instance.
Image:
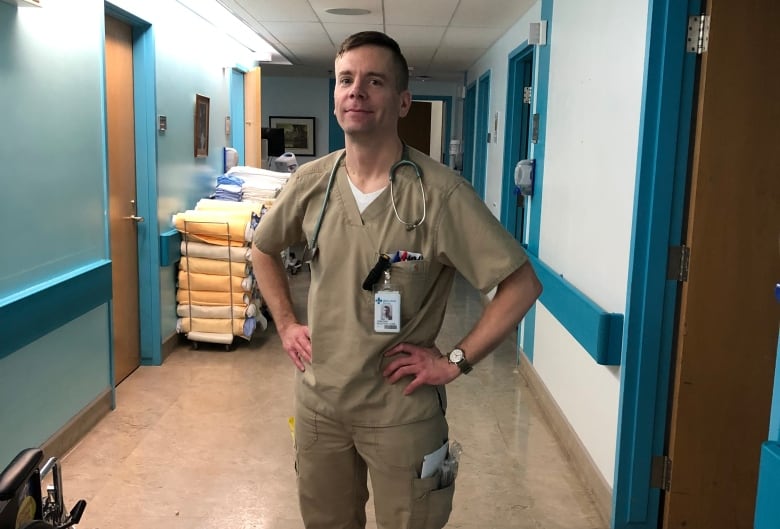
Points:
(347, 11)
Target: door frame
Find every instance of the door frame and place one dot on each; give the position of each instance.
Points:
(513, 134)
(469, 118)
(659, 206)
(447, 111)
(144, 82)
(482, 126)
(237, 114)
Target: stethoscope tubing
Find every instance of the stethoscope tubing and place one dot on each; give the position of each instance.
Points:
(312, 246)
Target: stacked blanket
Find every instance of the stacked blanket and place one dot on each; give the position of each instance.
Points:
(217, 296)
(221, 227)
(259, 184)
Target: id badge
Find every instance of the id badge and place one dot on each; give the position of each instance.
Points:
(387, 309)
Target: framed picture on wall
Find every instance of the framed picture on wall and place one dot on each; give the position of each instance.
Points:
(298, 134)
(201, 126)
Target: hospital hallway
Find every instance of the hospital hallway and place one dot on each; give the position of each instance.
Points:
(203, 442)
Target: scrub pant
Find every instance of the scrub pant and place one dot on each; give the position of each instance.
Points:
(333, 459)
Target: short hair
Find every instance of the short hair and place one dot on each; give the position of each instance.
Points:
(377, 38)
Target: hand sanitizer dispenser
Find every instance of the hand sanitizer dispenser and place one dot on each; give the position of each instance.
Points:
(524, 177)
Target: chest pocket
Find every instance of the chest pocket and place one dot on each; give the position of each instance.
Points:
(411, 278)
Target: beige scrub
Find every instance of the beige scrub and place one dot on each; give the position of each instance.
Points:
(344, 382)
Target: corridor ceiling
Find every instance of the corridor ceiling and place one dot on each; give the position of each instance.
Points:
(441, 39)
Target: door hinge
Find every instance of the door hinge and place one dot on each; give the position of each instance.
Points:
(661, 473)
(698, 34)
(677, 265)
(527, 94)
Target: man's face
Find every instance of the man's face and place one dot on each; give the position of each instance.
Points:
(366, 96)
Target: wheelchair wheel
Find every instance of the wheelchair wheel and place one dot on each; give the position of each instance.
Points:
(37, 524)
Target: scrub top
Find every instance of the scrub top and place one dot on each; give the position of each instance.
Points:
(459, 233)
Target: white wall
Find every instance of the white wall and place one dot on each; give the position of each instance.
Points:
(597, 51)
(594, 102)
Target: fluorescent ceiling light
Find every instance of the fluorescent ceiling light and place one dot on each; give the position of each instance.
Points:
(216, 14)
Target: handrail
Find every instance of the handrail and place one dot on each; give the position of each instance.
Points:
(599, 332)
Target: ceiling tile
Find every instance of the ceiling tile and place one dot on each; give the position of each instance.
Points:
(419, 13)
(340, 31)
(456, 58)
(416, 36)
(298, 32)
(498, 14)
(274, 10)
(470, 37)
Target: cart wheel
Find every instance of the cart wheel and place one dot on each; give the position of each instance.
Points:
(195, 345)
(228, 347)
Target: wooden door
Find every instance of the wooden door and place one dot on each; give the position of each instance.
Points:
(415, 128)
(252, 113)
(728, 320)
(122, 198)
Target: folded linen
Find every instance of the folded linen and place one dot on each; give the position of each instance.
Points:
(244, 171)
(248, 206)
(211, 337)
(215, 282)
(207, 297)
(183, 310)
(238, 326)
(200, 265)
(211, 251)
(226, 228)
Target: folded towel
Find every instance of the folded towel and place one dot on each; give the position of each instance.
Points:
(230, 180)
(211, 337)
(238, 326)
(184, 310)
(200, 265)
(207, 297)
(226, 228)
(211, 251)
(248, 206)
(191, 280)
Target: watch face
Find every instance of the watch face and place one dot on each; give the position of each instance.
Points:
(456, 355)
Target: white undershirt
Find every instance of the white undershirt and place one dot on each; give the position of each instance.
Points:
(364, 199)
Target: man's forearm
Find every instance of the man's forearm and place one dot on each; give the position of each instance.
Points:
(514, 297)
(274, 287)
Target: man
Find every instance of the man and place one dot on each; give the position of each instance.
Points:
(370, 395)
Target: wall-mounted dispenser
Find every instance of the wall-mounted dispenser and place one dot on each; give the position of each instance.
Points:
(524, 177)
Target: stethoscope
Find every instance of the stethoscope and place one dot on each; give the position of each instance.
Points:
(310, 251)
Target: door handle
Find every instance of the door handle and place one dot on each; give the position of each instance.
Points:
(133, 215)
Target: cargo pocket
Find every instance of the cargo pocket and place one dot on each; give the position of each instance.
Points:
(304, 435)
(431, 505)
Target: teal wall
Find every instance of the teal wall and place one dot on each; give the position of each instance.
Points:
(54, 201)
(49, 381)
(51, 142)
(53, 204)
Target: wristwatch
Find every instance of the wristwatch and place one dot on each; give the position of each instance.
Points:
(458, 357)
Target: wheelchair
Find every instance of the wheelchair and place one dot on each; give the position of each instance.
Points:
(22, 505)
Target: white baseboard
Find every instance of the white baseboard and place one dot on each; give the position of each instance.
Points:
(583, 464)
